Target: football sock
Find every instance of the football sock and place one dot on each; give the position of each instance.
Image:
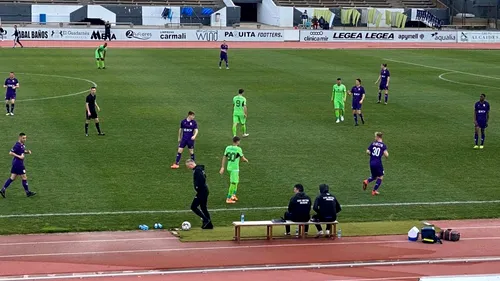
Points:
(86, 128)
(235, 189)
(355, 118)
(377, 184)
(102, 63)
(337, 114)
(370, 179)
(244, 128)
(386, 97)
(220, 63)
(25, 185)
(178, 158)
(227, 64)
(7, 183)
(482, 136)
(98, 63)
(192, 156)
(12, 108)
(475, 138)
(379, 96)
(8, 108)
(230, 192)
(98, 127)
(362, 119)
(234, 130)
(342, 112)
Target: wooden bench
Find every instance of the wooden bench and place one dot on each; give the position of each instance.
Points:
(270, 224)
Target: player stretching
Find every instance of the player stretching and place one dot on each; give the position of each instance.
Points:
(384, 78)
(376, 150)
(100, 55)
(481, 117)
(187, 135)
(18, 152)
(16, 37)
(91, 112)
(223, 55)
(11, 84)
(233, 153)
(240, 113)
(339, 95)
(358, 96)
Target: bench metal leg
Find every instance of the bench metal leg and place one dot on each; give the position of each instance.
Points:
(269, 232)
(237, 233)
(302, 231)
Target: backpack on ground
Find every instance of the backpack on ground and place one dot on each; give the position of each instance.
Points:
(449, 235)
(428, 234)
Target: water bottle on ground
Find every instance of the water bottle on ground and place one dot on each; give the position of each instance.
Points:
(339, 233)
(242, 217)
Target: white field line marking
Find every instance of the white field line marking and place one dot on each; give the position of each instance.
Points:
(396, 204)
(89, 241)
(441, 76)
(58, 76)
(255, 268)
(216, 248)
(443, 69)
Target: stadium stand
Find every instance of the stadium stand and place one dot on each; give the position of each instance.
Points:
(334, 3)
(194, 3)
(418, 4)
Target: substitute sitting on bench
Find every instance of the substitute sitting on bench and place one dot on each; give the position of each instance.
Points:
(326, 207)
(299, 208)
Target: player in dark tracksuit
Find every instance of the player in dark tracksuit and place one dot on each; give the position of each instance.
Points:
(326, 207)
(201, 198)
(107, 31)
(299, 208)
(16, 37)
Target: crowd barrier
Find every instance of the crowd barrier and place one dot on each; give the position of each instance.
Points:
(255, 35)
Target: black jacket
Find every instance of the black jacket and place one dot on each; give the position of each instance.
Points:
(200, 180)
(107, 27)
(300, 207)
(326, 205)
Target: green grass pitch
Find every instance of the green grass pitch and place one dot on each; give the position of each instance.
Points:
(293, 136)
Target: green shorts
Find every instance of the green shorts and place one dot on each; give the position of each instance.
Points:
(98, 55)
(239, 119)
(338, 104)
(234, 176)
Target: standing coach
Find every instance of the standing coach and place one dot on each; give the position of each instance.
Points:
(326, 207)
(107, 31)
(201, 198)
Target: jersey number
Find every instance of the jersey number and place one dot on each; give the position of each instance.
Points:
(238, 103)
(376, 151)
(231, 157)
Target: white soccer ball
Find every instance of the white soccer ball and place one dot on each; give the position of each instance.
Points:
(186, 226)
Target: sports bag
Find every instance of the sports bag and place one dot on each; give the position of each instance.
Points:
(449, 235)
(428, 234)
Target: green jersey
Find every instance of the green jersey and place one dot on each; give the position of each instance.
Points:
(339, 92)
(233, 154)
(101, 49)
(239, 103)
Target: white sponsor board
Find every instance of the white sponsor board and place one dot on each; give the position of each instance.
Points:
(89, 34)
(257, 35)
(479, 37)
(379, 36)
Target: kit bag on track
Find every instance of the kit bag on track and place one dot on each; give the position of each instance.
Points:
(449, 235)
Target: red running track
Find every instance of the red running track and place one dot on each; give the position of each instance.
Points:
(115, 252)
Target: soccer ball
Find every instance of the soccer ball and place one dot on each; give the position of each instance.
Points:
(186, 226)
